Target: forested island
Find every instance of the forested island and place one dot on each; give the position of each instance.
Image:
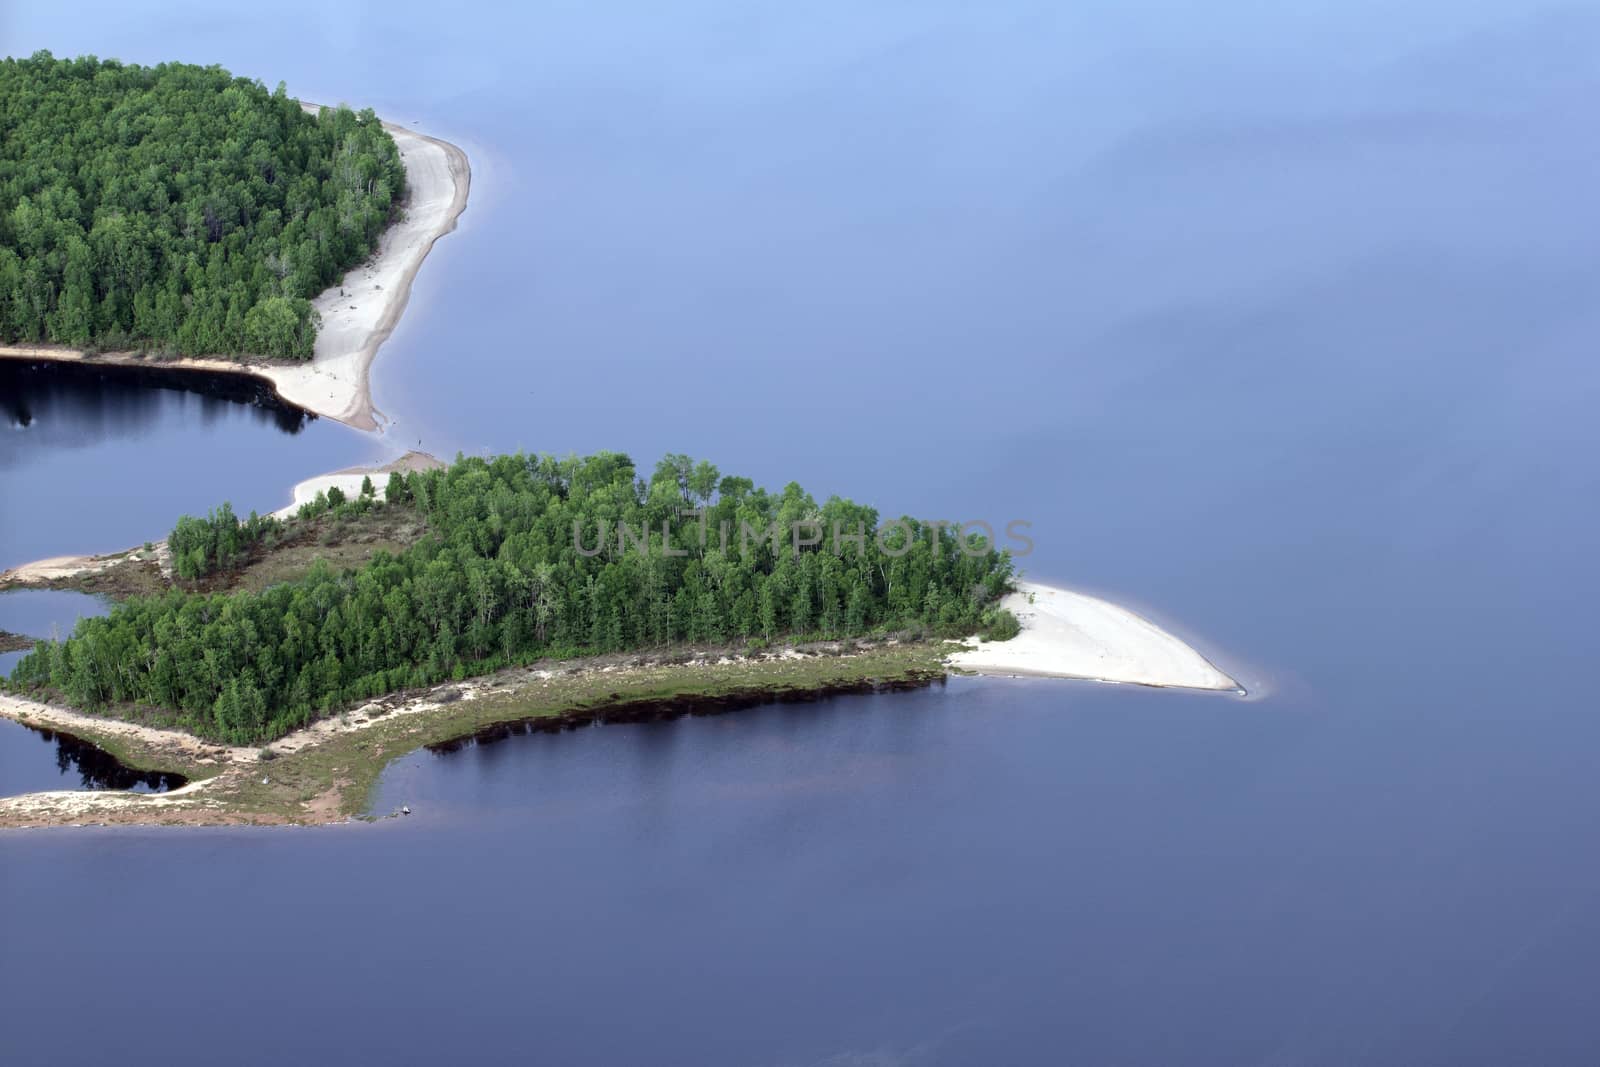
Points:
(518, 558)
(177, 208)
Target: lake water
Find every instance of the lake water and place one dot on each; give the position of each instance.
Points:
(96, 461)
(31, 760)
(1276, 324)
(41, 613)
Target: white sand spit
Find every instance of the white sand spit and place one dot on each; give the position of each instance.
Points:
(1071, 635)
(349, 480)
(57, 567)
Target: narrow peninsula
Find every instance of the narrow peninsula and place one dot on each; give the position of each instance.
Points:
(419, 602)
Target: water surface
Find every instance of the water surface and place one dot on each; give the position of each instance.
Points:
(100, 460)
(42, 613)
(1276, 322)
(34, 759)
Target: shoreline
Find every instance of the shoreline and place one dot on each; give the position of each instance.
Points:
(323, 773)
(1074, 635)
(358, 314)
(349, 480)
(48, 573)
(1064, 635)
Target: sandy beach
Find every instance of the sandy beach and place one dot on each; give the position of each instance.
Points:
(357, 316)
(1072, 635)
(349, 480)
(58, 567)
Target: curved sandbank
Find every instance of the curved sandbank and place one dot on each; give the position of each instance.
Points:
(349, 480)
(358, 315)
(1071, 635)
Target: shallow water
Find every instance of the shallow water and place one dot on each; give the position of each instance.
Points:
(1276, 323)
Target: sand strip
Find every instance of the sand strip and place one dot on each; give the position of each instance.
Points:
(54, 717)
(1071, 635)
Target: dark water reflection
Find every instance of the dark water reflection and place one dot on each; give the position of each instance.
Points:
(24, 765)
(78, 406)
(667, 709)
(75, 763)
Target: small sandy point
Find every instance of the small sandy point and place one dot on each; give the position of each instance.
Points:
(349, 480)
(1072, 635)
(57, 567)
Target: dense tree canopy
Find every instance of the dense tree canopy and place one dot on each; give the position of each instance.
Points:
(215, 543)
(527, 556)
(177, 207)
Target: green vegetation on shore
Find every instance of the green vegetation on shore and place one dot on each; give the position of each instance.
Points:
(524, 557)
(217, 542)
(333, 778)
(222, 544)
(177, 207)
(10, 642)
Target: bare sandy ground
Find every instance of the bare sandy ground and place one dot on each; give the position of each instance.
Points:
(349, 480)
(47, 570)
(66, 720)
(357, 316)
(1071, 635)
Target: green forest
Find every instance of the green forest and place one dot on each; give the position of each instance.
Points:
(177, 208)
(524, 557)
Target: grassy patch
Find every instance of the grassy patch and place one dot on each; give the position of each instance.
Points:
(293, 561)
(335, 777)
(343, 541)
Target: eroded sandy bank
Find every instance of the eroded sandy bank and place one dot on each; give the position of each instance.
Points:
(1072, 635)
(358, 315)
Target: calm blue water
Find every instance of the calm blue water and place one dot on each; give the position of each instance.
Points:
(1275, 323)
(33, 760)
(41, 613)
(46, 612)
(97, 462)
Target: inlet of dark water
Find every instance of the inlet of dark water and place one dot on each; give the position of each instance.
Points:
(77, 764)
